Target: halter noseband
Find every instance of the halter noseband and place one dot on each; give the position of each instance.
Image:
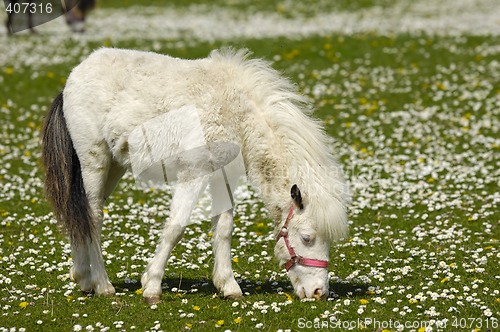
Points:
(294, 258)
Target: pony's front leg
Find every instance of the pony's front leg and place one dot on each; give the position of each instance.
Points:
(223, 276)
(186, 195)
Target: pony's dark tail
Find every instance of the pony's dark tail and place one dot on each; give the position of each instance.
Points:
(64, 187)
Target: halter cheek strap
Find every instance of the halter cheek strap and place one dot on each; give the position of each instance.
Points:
(294, 258)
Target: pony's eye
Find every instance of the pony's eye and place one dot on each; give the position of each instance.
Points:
(306, 238)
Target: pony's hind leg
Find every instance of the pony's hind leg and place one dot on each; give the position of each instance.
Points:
(88, 265)
(186, 194)
(223, 276)
(80, 271)
(96, 175)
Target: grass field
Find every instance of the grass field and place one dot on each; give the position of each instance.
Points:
(410, 94)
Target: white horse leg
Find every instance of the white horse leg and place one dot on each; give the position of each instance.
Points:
(114, 175)
(100, 280)
(223, 276)
(95, 173)
(186, 194)
(80, 271)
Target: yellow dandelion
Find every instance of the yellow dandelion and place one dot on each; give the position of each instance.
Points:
(8, 71)
(139, 291)
(292, 54)
(220, 323)
(288, 297)
(189, 325)
(197, 308)
(238, 320)
(444, 280)
(363, 301)
(440, 86)
(69, 298)
(23, 304)
(235, 260)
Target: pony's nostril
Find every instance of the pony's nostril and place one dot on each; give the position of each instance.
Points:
(318, 294)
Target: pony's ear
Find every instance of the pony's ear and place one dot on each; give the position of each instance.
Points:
(296, 196)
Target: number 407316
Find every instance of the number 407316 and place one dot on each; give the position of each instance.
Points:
(28, 8)
(470, 323)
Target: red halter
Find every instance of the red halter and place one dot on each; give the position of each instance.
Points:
(294, 258)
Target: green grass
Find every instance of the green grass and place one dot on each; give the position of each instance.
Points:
(285, 8)
(414, 119)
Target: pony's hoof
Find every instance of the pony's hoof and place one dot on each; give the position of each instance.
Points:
(233, 296)
(155, 299)
(105, 290)
(106, 293)
(72, 274)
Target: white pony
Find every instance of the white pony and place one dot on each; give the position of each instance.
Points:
(113, 92)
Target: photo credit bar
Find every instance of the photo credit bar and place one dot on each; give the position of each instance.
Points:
(372, 323)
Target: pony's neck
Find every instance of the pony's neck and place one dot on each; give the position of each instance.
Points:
(276, 170)
(282, 145)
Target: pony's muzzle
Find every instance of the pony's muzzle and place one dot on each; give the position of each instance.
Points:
(319, 293)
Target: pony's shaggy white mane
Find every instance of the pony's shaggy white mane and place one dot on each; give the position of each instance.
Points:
(304, 150)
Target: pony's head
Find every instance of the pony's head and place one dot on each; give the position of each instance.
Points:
(303, 244)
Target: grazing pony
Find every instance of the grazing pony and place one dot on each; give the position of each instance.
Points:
(87, 148)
